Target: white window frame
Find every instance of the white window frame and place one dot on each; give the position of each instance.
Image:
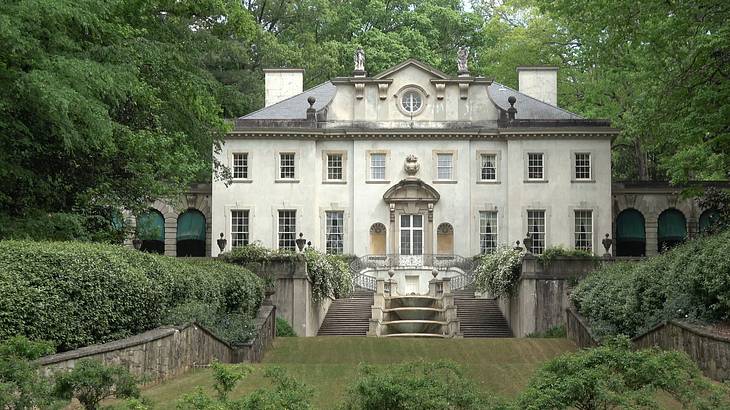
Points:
(245, 232)
(574, 161)
(331, 166)
(587, 235)
(247, 176)
(542, 238)
(482, 166)
(447, 166)
(488, 237)
(528, 165)
(334, 241)
(282, 235)
(293, 165)
(384, 166)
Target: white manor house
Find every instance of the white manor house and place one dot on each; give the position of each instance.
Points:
(412, 162)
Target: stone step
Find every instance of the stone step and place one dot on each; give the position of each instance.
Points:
(480, 317)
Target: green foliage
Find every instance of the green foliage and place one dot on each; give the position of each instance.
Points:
(90, 382)
(692, 281)
(498, 272)
(718, 201)
(330, 274)
(416, 385)
(21, 386)
(76, 294)
(236, 328)
(287, 393)
(555, 332)
(97, 226)
(552, 252)
(615, 376)
(226, 377)
(283, 328)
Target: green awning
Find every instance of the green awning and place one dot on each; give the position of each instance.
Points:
(708, 218)
(191, 226)
(630, 225)
(672, 226)
(151, 226)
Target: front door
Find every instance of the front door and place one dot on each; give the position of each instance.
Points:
(411, 240)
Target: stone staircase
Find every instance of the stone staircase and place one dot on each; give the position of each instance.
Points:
(479, 317)
(348, 316)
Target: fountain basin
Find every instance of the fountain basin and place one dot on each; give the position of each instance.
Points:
(414, 313)
(412, 301)
(414, 326)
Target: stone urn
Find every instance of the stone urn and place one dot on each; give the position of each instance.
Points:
(411, 165)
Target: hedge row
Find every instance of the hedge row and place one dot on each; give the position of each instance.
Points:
(76, 294)
(690, 282)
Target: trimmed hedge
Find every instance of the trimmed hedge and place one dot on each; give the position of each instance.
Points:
(691, 282)
(77, 294)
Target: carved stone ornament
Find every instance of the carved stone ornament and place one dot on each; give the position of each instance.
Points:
(462, 60)
(359, 59)
(411, 166)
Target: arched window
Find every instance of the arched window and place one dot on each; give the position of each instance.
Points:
(191, 233)
(377, 239)
(630, 233)
(672, 229)
(445, 239)
(151, 230)
(708, 219)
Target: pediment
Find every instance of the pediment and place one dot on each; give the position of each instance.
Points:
(411, 190)
(433, 71)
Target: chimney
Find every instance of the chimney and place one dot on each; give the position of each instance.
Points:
(540, 83)
(282, 83)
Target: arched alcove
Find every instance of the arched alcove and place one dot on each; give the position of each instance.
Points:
(630, 233)
(151, 230)
(707, 219)
(672, 229)
(445, 239)
(377, 239)
(191, 233)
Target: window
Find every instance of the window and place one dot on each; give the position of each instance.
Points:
(536, 229)
(287, 229)
(334, 239)
(286, 165)
(444, 166)
(487, 231)
(535, 166)
(411, 101)
(334, 166)
(583, 166)
(488, 167)
(239, 228)
(377, 166)
(240, 165)
(584, 230)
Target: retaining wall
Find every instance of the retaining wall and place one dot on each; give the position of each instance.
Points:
(169, 351)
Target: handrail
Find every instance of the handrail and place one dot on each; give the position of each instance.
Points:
(441, 262)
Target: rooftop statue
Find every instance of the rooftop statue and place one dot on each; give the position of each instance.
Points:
(462, 57)
(359, 59)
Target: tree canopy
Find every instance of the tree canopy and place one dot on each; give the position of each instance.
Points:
(112, 104)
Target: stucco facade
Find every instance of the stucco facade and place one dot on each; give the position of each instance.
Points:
(457, 120)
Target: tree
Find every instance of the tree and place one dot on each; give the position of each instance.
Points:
(21, 385)
(615, 376)
(90, 382)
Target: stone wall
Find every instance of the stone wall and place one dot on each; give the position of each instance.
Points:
(711, 352)
(541, 295)
(169, 351)
(578, 331)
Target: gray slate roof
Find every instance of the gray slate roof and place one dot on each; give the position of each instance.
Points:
(527, 107)
(295, 108)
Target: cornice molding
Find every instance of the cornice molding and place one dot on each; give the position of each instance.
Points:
(326, 134)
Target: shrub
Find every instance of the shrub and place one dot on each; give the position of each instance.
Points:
(554, 332)
(553, 252)
(283, 328)
(21, 385)
(226, 376)
(90, 382)
(233, 327)
(615, 376)
(499, 271)
(76, 294)
(692, 282)
(415, 385)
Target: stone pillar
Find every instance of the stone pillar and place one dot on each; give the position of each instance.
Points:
(652, 240)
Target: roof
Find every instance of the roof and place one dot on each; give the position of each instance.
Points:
(295, 108)
(420, 64)
(527, 107)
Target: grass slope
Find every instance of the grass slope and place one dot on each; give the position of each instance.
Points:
(329, 364)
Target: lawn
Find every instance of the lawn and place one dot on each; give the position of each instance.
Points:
(329, 364)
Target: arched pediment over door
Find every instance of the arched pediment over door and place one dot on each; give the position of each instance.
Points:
(411, 196)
